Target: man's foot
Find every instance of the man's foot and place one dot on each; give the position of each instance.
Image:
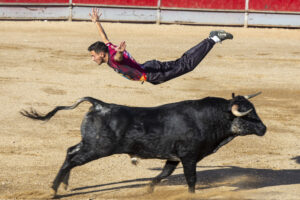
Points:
(221, 35)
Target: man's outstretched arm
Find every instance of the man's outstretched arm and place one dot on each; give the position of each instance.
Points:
(95, 18)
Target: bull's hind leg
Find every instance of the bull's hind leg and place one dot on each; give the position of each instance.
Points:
(64, 172)
(168, 169)
(76, 156)
(70, 153)
(66, 181)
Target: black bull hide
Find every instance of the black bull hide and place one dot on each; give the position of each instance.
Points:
(185, 132)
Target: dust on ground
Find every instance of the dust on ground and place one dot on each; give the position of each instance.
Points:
(45, 64)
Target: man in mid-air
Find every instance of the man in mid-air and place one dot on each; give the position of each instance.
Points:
(152, 71)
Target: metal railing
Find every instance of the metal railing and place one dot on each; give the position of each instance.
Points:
(150, 14)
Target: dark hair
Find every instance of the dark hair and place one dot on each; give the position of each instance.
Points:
(98, 47)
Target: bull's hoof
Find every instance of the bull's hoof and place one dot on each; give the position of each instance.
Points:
(191, 190)
(65, 186)
(53, 193)
(134, 161)
(150, 188)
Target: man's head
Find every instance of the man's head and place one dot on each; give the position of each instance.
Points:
(99, 52)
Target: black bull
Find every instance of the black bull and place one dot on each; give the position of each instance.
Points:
(183, 132)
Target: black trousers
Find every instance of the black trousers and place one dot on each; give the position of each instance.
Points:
(158, 72)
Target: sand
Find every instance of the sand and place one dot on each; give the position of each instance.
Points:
(46, 64)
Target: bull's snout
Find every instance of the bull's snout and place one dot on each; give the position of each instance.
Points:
(262, 130)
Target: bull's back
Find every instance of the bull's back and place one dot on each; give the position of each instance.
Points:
(166, 131)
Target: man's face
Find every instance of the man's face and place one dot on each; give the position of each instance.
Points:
(98, 57)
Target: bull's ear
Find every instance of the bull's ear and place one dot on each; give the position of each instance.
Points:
(233, 95)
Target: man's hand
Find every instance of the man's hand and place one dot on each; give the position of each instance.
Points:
(95, 15)
(95, 18)
(121, 48)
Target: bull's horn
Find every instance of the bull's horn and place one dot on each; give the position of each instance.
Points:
(234, 110)
(252, 95)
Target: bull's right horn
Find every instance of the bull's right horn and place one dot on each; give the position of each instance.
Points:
(252, 95)
(235, 112)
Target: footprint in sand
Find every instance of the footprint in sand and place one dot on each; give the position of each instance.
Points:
(50, 90)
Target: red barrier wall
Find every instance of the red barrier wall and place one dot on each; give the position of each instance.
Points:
(259, 5)
(34, 1)
(119, 2)
(205, 4)
(274, 5)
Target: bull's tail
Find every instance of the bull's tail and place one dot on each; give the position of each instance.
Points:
(36, 116)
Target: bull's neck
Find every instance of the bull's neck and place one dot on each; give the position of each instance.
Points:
(225, 141)
(222, 138)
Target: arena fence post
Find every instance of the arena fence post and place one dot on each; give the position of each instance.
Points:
(70, 10)
(246, 13)
(158, 12)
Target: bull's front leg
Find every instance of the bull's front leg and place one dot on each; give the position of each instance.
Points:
(168, 169)
(189, 168)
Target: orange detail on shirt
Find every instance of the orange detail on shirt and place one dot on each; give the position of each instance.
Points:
(143, 78)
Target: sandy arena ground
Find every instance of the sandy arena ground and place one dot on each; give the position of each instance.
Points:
(45, 64)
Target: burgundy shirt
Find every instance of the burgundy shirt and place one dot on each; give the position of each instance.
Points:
(128, 67)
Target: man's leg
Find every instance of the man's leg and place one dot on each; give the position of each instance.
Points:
(191, 58)
(158, 72)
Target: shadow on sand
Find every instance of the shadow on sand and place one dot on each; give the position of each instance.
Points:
(297, 159)
(241, 178)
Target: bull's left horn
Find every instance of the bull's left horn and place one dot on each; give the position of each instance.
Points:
(252, 95)
(234, 110)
